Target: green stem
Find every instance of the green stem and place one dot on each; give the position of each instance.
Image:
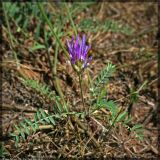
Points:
(10, 35)
(114, 121)
(56, 52)
(71, 20)
(52, 30)
(51, 27)
(80, 84)
(55, 60)
(56, 79)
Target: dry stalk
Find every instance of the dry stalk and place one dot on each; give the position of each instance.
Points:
(75, 119)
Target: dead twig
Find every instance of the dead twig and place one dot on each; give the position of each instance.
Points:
(76, 120)
(18, 108)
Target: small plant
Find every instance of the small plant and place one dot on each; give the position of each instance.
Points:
(78, 51)
(90, 25)
(3, 152)
(101, 79)
(40, 121)
(78, 55)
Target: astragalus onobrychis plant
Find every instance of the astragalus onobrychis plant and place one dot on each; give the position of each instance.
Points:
(78, 54)
(76, 51)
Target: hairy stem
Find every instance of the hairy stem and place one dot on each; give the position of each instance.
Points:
(80, 84)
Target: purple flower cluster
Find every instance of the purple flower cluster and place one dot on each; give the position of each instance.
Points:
(78, 50)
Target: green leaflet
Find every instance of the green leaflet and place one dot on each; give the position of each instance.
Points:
(122, 116)
(110, 105)
(102, 79)
(27, 127)
(41, 117)
(137, 126)
(93, 25)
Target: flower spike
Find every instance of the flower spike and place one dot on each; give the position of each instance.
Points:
(78, 50)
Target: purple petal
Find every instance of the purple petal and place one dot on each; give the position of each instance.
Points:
(87, 48)
(68, 44)
(86, 64)
(77, 41)
(78, 50)
(83, 43)
(83, 40)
